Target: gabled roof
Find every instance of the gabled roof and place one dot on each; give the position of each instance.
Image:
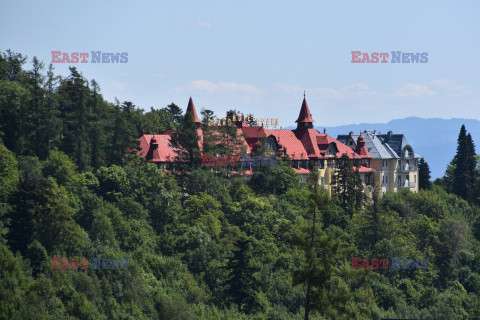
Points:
(381, 146)
(395, 143)
(316, 144)
(304, 115)
(191, 109)
(163, 153)
(287, 139)
(341, 148)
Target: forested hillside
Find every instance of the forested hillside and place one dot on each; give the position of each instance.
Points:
(202, 245)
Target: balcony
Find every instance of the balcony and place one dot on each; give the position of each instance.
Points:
(408, 155)
(406, 168)
(406, 184)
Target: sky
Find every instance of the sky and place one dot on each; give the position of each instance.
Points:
(260, 56)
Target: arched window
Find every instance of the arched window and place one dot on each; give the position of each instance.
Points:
(331, 149)
(271, 144)
(407, 152)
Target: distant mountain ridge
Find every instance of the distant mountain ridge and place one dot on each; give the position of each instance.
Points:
(434, 138)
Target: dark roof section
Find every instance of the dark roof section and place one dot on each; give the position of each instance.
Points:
(381, 146)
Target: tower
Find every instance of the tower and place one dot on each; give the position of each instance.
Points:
(191, 109)
(305, 119)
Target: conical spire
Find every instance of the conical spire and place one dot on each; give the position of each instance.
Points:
(361, 149)
(191, 108)
(305, 116)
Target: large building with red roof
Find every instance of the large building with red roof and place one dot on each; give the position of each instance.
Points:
(304, 147)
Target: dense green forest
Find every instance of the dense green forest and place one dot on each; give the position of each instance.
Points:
(204, 245)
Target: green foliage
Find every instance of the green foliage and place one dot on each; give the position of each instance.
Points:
(186, 143)
(207, 245)
(241, 282)
(349, 188)
(276, 179)
(8, 172)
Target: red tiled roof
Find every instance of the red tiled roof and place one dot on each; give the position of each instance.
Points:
(364, 169)
(317, 144)
(300, 144)
(302, 171)
(241, 173)
(287, 139)
(163, 153)
(304, 115)
(254, 132)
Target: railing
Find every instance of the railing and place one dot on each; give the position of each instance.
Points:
(406, 168)
(406, 184)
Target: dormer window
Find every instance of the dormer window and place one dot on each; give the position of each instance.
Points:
(271, 145)
(331, 150)
(407, 152)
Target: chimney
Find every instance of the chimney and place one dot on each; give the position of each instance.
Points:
(153, 144)
(389, 134)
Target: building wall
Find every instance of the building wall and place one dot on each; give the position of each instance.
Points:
(394, 169)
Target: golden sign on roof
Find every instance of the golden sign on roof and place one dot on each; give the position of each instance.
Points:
(249, 118)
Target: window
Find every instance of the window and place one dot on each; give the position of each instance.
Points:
(270, 145)
(331, 149)
(399, 180)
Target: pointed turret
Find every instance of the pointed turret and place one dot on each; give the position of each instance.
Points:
(361, 149)
(191, 109)
(305, 119)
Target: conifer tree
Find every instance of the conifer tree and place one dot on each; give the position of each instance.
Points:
(208, 129)
(35, 128)
(465, 163)
(75, 114)
(176, 113)
(51, 112)
(424, 182)
(97, 132)
(241, 283)
(325, 292)
(186, 144)
(124, 133)
(349, 186)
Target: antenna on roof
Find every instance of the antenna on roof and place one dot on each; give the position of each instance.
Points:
(303, 94)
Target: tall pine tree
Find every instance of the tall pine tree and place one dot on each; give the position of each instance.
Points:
(186, 144)
(424, 182)
(349, 187)
(75, 114)
(465, 163)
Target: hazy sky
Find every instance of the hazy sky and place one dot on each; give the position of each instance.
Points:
(259, 56)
